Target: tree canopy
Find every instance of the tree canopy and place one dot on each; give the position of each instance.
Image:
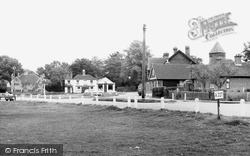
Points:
(246, 52)
(132, 65)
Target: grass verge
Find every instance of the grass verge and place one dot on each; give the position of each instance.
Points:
(111, 131)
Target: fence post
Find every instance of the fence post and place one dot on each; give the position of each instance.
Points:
(44, 96)
(162, 103)
(136, 104)
(70, 97)
(172, 96)
(37, 96)
(50, 97)
(22, 96)
(185, 96)
(242, 107)
(197, 105)
(129, 102)
(82, 99)
(59, 97)
(97, 101)
(30, 96)
(114, 101)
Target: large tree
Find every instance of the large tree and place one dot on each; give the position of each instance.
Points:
(132, 65)
(7, 67)
(82, 64)
(246, 52)
(112, 68)
(55, 72)
(200, 73)
(98, 66)
(196, 59)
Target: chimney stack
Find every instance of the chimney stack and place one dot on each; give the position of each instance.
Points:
(237, 60)
(165, 55)
(83, 73)
(187, 51)
(175, 49)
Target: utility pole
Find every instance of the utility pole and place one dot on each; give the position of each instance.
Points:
(143, 62)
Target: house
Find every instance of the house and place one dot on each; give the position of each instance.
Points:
(27, 82)
(238, 82)
(170, 71)
(82, 82)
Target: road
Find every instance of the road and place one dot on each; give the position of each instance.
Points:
(204, 106)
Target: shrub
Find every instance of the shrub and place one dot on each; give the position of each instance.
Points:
(236, 96)
(126, 89)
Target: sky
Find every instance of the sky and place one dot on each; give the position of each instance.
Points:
(38, 32)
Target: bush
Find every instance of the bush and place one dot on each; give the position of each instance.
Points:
(236, 96)
(126, 89)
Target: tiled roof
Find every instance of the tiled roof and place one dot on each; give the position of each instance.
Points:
(180, 52)
(172, 71)
(243, 71)
(86, 77)
(156, 60)
(30, 78)
(217, 48)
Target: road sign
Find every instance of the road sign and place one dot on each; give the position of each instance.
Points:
(218, 95)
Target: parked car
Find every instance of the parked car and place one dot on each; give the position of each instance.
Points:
(8, 96)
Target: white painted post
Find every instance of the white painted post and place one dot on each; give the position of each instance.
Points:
(44, 96)
(97, 101)
(70, 97)
(59, 97)
(50, 97)
(30, 96)
(172, 96)
(114, 101)
(162, 103)
(136, 103)
(82, 99)
(37, 96)
(242, 107)
(185, 96)
(129, 102)
(22, 96)
(197, 105)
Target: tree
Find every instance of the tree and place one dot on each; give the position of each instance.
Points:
(200, 73)
(221, 71)
(112, 67)
(197, 60)
(216, 74)
(55, 72)
(7, 67)
(98, 66)
(246, 52)
(82, 64)
(131, 68)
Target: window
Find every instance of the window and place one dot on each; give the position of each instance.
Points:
(68, 81)
(77, 81)
(91, 81)
(78, 87)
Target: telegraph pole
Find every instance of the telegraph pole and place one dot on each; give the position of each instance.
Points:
(143, 62)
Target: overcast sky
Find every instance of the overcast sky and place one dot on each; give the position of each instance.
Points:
(37, 32)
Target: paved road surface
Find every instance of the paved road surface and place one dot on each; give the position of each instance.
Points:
(204, 107)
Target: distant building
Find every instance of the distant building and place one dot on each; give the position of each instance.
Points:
(82, 82)
(170, 71)
(27, 82)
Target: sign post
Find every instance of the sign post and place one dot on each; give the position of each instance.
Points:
(218, 95)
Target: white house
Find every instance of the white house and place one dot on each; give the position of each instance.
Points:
(80, 82)
(84, 81)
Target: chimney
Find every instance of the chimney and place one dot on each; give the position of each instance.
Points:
(237, 60)
(165, 55)
(83, 73)
(187, 51)
(175, 49)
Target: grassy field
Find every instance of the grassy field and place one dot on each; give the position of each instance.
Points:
(110, 131)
